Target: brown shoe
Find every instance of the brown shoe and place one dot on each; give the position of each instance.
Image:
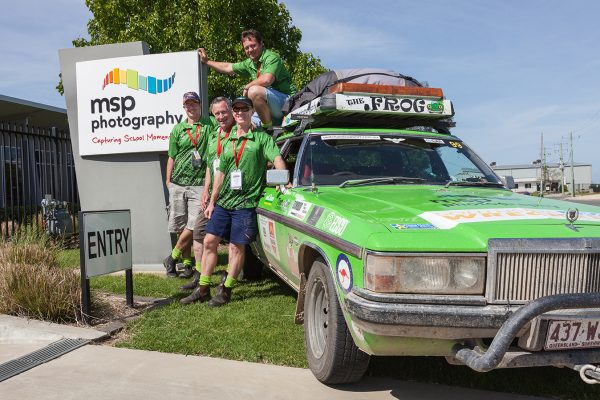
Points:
(201, 294)
(193, 283)
(222, 297)
(188, 271)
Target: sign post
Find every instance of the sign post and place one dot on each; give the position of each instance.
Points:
(105, 247)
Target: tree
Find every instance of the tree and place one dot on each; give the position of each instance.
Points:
(181, 25)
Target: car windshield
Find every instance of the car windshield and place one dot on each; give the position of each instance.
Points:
(355, 160)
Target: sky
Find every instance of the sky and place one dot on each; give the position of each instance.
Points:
(513, 69)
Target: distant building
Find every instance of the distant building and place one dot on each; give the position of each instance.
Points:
(36, 158)
(528, 176)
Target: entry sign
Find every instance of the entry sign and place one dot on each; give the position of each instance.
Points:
(106, 241)
(104, 247)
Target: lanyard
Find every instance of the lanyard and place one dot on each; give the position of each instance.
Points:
(194, 142)
(235, 156)
(219, 147)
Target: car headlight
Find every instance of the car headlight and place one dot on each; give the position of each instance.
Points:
(425, 274)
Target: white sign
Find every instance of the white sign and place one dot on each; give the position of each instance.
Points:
(130, 104)
(450, 218)
(105, 237)
(268, 235)
(394, 104)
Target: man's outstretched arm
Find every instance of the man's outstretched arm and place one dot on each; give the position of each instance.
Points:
(219, 66)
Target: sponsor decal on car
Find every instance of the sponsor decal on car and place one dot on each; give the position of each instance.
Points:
(430, 140)
(344, 272)
(268, 235)
(450, 218)
(314, 216)
(269, 199)
(350, 137)
(335, 224)
(413, 226)
(299, 209)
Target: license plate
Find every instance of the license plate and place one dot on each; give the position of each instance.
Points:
(573, 334)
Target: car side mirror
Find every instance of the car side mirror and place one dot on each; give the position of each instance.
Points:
(276, 177)
(508, 181)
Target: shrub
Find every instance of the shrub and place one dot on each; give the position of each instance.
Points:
(33, 285)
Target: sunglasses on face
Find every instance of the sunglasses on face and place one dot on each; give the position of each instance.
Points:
(241, 109)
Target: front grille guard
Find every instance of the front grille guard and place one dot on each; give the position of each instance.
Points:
(495, 355)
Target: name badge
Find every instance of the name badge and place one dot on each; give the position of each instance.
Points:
(196, 159)
(236, 180)
(216, 163)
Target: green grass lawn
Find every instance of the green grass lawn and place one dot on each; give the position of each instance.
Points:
(258, 326)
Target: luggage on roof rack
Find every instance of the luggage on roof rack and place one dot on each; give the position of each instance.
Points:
(374, 106)
(319, 86)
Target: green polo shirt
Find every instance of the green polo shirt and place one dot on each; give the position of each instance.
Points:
(211, 150)
(259, 149)
(181, 148)
(271, 63)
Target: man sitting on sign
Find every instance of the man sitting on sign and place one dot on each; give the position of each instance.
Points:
(271, 83)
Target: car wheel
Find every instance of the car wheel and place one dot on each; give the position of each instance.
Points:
(332, 355)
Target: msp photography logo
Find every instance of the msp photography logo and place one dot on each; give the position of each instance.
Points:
(135, 81)
(130, 104)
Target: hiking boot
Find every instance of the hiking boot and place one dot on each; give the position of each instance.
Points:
(223, 277)
(201, 294)
(223, 296)
(193, 283)
(187, 272)
(171, 267)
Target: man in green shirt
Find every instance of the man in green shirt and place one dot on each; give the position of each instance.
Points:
(185, 178)
(236, 191)
(218, 140)
(271, 83)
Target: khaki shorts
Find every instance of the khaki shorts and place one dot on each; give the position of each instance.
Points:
(184, 206)
(200, 228)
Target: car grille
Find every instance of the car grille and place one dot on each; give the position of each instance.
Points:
(522, 270)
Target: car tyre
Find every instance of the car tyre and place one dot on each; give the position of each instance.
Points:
(332, 355)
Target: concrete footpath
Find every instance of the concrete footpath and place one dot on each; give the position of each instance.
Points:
(95, 371)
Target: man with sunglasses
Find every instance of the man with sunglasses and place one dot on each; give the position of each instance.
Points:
(235, 194)
(184, 180)
(271, 83)
(218, 141)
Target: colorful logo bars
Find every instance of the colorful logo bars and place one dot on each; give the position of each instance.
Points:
(133, 80)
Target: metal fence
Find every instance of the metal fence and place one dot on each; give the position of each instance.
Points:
(34, 163)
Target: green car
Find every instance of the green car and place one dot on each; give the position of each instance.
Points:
(404, 242)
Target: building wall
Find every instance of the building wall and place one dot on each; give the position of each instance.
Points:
(531, 176)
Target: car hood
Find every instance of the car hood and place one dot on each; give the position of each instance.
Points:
(456, 218)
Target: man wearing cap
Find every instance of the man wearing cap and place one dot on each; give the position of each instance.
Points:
(271, 82)
(236, 190)
(185, 178)
(218, 140)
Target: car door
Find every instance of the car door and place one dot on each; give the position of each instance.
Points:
(280, 243)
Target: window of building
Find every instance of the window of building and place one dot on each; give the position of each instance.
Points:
(528, 186)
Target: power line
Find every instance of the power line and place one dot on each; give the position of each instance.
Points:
(595, 117)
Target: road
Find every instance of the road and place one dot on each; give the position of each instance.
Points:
(592, 202)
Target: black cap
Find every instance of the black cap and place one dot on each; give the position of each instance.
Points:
(191, 96)
(242, 100)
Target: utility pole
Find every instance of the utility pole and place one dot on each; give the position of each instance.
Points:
(562, 169)
(572, 170)
(542, 164)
